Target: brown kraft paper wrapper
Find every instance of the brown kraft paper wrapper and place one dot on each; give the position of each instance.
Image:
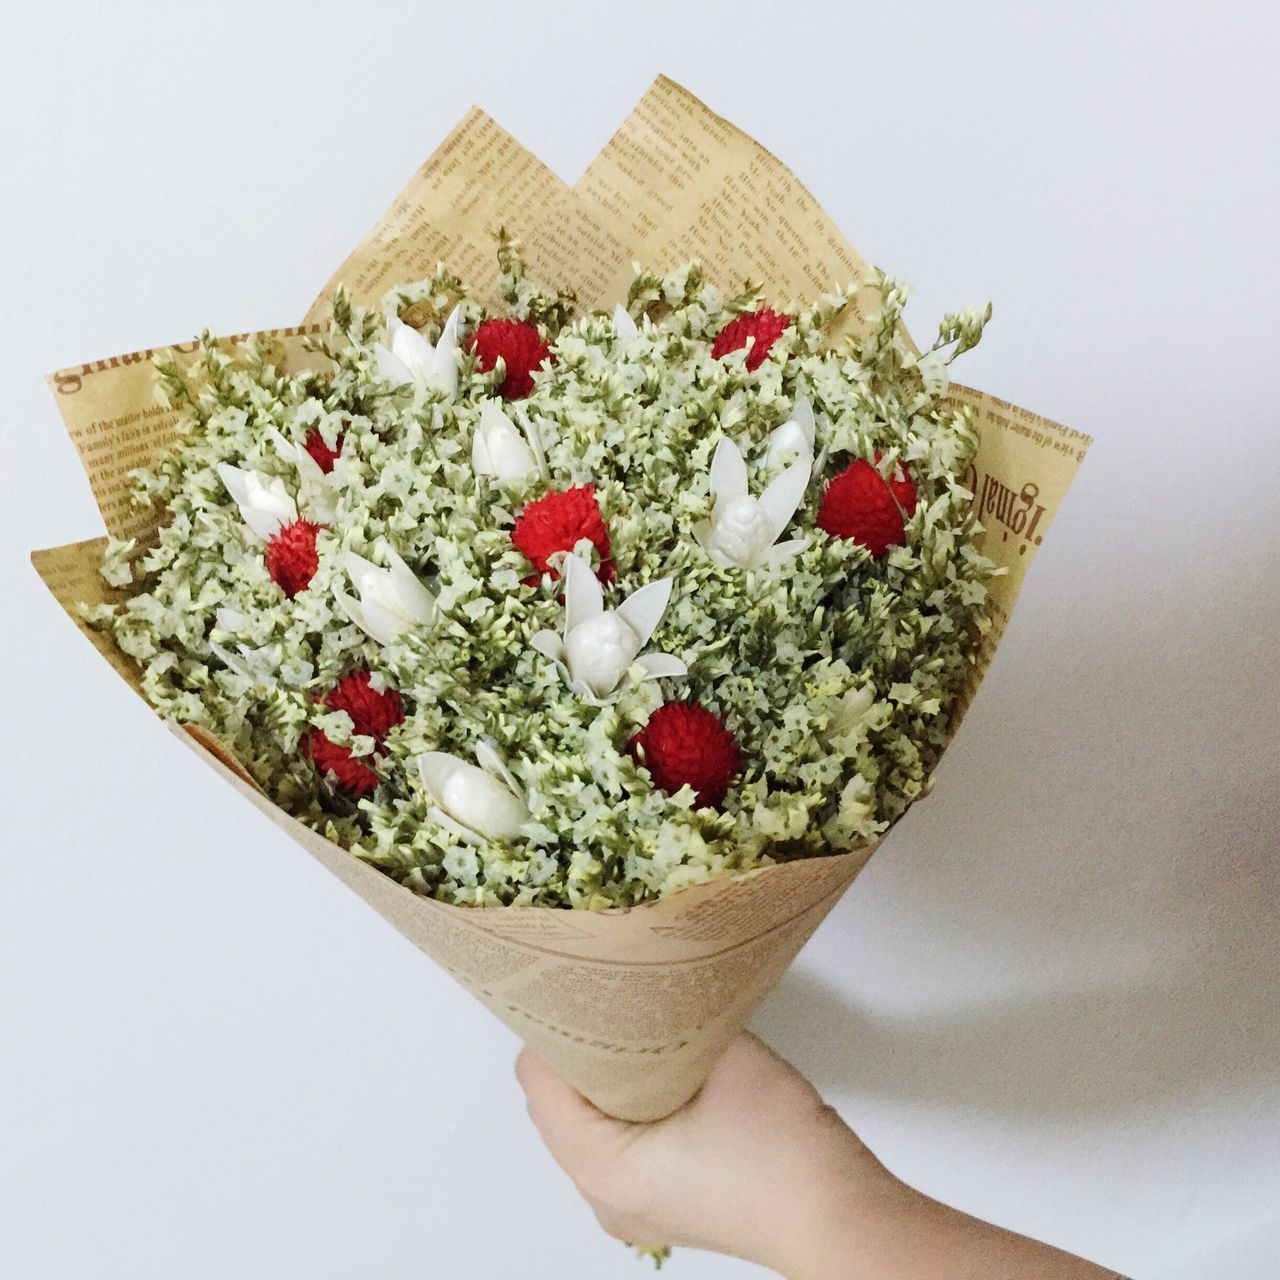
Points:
(632, 1006)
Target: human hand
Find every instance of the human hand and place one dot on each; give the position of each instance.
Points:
(753, 1166)
(756, 1166)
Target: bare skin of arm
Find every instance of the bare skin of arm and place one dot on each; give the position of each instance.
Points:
(758, 1167)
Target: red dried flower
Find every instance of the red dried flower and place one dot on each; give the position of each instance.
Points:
(559, 522)
(859, 505)
(372, 712)
(325, 457)
(519, 346)
(685, 743)
(291, 556)
(765, 326)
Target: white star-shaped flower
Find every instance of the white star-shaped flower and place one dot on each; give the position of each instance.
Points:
(263, 500)
(392, 601)
(499, 449)
(318, 493)
(477, 802)
(411, 358)
(599, 646)
(743, 531)
(795, 438)
(623, 325)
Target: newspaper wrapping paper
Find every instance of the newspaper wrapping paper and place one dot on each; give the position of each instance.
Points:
(632, 1006)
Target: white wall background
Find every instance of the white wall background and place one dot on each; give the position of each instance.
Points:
(1052, 999)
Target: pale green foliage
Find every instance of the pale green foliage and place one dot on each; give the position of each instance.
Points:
(778, 653)
(117, 561)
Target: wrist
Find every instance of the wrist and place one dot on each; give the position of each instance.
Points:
(832, 1228)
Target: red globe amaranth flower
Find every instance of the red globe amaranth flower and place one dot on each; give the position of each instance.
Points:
(559, 522)
(859, 505)
(372, 712)
(325, 457)
(685, 743)
(291, 556)
(765, 326)
(519, 346)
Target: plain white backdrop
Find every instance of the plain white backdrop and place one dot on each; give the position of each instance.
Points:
(1053, 997)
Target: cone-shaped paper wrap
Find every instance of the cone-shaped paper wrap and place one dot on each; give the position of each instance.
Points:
(632, 1006)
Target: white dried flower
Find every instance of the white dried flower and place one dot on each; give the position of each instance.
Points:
(743, 531)
(411, 358)
(795, 438)
(263, 500)
(392, 601)
(623, 325)
(499, 449)
(318, 492)
(599, 645)
(477, 802)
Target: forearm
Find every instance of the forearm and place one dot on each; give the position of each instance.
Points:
(881, 1229)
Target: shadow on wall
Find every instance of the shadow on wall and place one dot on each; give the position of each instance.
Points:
(1100, 865)
(1064, 1057)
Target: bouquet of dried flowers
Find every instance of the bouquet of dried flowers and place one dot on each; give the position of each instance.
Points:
(568, 610)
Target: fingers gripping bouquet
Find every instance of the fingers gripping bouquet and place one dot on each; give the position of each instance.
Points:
(654, 596)
(532, 610)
